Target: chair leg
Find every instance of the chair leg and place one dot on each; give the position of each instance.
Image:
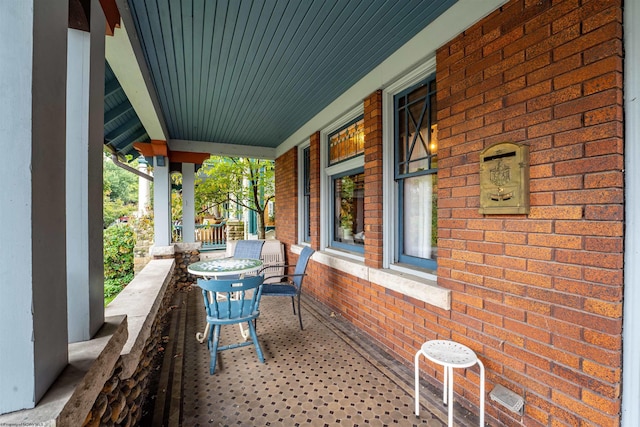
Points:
(300, 314)
(293, 304)
(256, 343)
(214, 339)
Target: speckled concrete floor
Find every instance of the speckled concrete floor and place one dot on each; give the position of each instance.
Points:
(326, 375)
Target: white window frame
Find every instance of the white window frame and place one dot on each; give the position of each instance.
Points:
(326, 172)
(390, 191)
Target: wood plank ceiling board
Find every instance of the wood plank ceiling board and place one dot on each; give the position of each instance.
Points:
(122, 127)
(252, 72)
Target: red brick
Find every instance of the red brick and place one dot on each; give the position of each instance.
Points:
(589, 165)
(587, 103)
(604, 147)
(606, 213)
(590, 228)
(605, 373)
(555, 68)
(558, 39)
(555, 97)
(583, 411)
(612, 79)
(588, 72)
(528, 93)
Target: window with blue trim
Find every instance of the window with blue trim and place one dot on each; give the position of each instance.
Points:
(347, 187)
(306, 194)
(416, 167)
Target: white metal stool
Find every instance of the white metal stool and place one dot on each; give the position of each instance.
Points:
(449, 354)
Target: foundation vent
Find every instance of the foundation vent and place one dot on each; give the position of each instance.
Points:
(507, 398)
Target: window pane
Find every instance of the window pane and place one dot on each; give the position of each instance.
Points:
(349, 209)
(416, 139)
(346, 143)
(420, 216)
(307, 193)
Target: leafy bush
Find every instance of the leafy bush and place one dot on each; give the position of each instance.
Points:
(119, 240)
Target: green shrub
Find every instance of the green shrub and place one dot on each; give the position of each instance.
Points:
(119, 240)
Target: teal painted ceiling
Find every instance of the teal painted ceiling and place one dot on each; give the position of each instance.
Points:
(252, 72)
(122, 127)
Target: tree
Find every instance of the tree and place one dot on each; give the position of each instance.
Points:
(119, 190)
(238, 181)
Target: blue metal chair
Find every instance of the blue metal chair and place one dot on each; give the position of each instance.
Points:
(290, 285)
(239, 303)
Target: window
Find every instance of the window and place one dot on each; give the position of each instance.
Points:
(306, 195)
(346, 172)
(416, 163)
(348, 228)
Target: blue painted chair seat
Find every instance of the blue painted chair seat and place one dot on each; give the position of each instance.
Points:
(291, 284)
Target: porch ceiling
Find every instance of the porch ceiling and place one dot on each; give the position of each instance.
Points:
(252, 72)
(122, 127)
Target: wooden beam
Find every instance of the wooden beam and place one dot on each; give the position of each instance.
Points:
(188, 157)
(112, 15)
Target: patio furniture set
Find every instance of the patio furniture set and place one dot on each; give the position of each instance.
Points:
(232, 289)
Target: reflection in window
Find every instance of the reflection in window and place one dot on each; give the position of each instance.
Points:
(348, 193)
(416, 148)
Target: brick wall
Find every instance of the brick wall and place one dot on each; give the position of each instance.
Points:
(314, 205)
(286, 179)
(537, 296)
(373, 179)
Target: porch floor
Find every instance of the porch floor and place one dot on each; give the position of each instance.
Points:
(328, 374)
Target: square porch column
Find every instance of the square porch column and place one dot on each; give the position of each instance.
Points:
(161, 204)
(85, 134)
(33, 293)
(188, 203)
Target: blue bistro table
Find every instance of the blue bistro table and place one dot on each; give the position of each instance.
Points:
(215, 268)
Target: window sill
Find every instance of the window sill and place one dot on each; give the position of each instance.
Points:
(422, 289)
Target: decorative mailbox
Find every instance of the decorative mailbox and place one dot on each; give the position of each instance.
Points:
(504, 179)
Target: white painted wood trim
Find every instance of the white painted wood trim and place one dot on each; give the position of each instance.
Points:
(631, 314)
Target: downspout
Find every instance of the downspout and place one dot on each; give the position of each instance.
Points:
(125, 166)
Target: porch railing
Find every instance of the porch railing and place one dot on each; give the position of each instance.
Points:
(212, 236)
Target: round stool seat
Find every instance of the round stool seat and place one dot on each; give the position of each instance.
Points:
(449, 353)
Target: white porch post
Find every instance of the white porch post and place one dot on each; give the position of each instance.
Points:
(143, 188)
(631, 315)
(161, 202)
(188, 203)
(85, 123)
(33, 295)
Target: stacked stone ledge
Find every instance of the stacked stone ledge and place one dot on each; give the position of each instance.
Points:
(121, 401)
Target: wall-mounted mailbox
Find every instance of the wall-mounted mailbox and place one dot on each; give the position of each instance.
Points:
(504, 179)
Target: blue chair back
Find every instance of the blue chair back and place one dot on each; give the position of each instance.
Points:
(235, 301)
(248, 249)
(301, 265)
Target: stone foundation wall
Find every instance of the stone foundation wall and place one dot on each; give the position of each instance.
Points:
(185, 254)
(121, 400)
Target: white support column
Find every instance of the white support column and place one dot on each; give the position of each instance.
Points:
(631, 314)
(143, 188)
(85, 118)
(33, 302)
(188, 203)
(161, 204)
